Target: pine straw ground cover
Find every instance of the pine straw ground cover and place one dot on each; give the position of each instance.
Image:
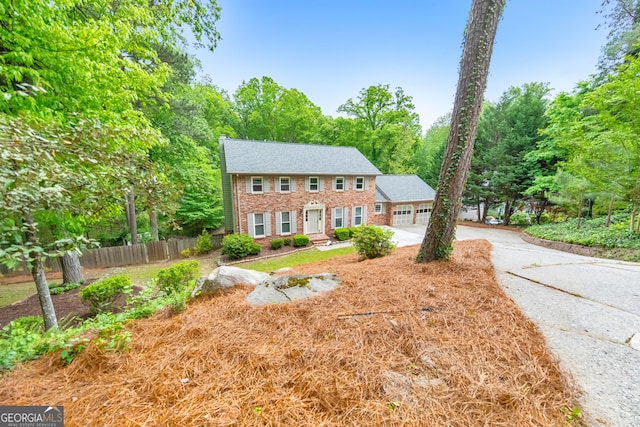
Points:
(223, 362)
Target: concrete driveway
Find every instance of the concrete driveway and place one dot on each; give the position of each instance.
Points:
(587, 308)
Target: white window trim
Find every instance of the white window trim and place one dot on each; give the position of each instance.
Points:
(375, 209)
(335, 217)
(317, 190)
(335, 183)
(355, 183)
(282, 233)
(261, 185)
(264, 225)
(355, 215)
(280, 184)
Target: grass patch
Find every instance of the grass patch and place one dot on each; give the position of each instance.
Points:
(294, 259)
(16, 292)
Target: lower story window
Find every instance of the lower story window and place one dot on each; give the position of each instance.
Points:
(378, 208)
(285, 222)
(357, 215)
(337, 218)
(258, 225)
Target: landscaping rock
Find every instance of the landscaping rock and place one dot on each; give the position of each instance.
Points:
(289, 288)
(226, 277)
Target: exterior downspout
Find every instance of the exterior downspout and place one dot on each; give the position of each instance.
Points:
(238, 203)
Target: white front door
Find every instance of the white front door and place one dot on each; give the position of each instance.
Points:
(312, 221)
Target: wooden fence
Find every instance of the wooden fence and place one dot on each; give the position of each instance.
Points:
(118, 256)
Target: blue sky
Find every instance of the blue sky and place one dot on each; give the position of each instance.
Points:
(330, 50)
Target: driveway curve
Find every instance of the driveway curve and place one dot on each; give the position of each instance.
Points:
(587, 308)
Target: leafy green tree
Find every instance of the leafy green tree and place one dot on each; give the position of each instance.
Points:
(386, 126)
(268, 111)
(474, 68)
(56, 169)
(428, 155)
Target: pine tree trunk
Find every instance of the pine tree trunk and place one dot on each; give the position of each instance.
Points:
(39, 277)
(71, 269)
(474, 68)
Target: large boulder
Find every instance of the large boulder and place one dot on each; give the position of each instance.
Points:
(227, 277)
(288, 288)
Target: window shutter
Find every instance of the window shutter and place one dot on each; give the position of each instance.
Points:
(292, 184)
(306, 184)
(333, 218)
(353, 184)
(292, 218)
(267, 224)
(334, 181)
(277, 184)
(345, 217)
(366, 183)
(321, 183)
(265, 184)
(247, 180)
(364, 214)
(278, 223)
(353, 215)
(251, 227)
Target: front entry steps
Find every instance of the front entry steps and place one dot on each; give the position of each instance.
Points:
(318, 239)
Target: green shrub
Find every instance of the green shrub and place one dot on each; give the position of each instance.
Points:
(176, 278)
(237, 245)
(342, 233)
(353, 230)
(372, 242)
(254, 249)
(520, 218)
(287, 241)
(300, 240)
(204, 244)
(277, 243)
(103, 294)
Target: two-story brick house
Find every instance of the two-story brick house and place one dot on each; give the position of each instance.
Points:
(279, 189)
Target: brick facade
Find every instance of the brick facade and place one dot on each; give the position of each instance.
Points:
(299, 201)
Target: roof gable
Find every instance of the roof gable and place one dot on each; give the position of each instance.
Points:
(280, 158)
(402, 188)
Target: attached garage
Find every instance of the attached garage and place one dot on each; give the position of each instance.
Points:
(423, 214)
(403, 214)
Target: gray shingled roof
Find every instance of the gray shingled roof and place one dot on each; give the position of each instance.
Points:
(402, 188)
(244, 157)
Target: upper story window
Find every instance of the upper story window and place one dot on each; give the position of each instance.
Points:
(314, 183)
(339, 183)
(359, 183)
(285, 184)
(257, 185)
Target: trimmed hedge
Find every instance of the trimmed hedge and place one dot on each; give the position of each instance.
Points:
(342, 233)
(277, 243)
(237, 246)
(300, 240)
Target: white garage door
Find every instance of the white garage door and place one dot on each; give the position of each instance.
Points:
(402, 214)
(423, 214)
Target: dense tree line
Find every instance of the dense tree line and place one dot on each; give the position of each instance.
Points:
(106, 134)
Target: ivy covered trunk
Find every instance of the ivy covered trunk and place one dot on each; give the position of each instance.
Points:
(71, 269)
(39, 277)
(474, 68)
